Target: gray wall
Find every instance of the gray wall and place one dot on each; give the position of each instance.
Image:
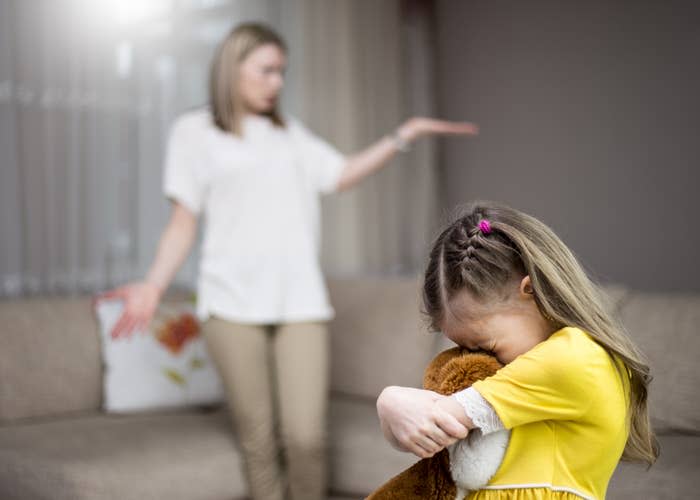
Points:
(590, 116)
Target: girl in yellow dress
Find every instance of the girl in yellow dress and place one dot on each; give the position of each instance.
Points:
(574, 387)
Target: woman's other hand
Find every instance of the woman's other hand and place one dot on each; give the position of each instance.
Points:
(141, 298)
(140, 302)
(419, 421)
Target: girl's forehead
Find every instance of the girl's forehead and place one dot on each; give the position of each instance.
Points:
(465, 334)
(465, 308)
(468, 318)
(456, 321)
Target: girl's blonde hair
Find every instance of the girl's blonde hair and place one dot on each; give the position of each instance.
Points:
(518, 245)
(224, 97)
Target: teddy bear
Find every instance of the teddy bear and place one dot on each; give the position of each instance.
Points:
(466, 465)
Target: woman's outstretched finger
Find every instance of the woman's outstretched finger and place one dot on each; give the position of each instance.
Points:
(447, 127)
(457, 128)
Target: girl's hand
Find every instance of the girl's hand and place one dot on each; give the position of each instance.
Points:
(140, 302)
(412, 420)
(418, 127)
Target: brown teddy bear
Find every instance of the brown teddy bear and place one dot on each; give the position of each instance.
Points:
(466, 465)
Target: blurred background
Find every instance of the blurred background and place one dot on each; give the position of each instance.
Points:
(589, 116)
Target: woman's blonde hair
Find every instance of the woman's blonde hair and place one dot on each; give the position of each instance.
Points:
(224, 98)
(465, 257)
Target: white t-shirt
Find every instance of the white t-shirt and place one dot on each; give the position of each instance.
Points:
(260, 195)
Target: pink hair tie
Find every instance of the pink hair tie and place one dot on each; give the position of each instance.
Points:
(485, 226)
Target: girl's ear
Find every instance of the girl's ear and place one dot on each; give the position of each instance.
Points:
(526, 286)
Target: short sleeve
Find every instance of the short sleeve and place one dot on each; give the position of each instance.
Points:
(321, 161)
(182, 179)
(552, 381)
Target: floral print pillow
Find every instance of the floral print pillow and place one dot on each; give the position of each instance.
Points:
(165, 367)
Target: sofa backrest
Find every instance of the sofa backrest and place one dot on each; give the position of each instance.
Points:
(666, 326)
(50, 361)
(49, 357)
(378, 337)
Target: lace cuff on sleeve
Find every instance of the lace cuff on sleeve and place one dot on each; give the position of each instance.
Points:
(479, 410)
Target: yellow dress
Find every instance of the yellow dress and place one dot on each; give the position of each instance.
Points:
(566, 405)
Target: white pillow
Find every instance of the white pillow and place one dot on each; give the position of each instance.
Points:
(166, 367)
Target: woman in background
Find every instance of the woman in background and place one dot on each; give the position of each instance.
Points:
(257, 176)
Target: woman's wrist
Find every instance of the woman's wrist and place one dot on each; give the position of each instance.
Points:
(157, 287)
(401, 143)
(404, 135)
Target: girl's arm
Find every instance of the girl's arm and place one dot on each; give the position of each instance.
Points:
(419, 421)
(377, 155)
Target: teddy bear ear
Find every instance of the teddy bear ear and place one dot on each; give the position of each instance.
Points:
(431, 376)
(462, 371)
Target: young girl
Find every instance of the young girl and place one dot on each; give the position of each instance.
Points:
(574, 387)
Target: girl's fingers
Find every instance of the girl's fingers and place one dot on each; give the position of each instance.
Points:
(428, 442)
(441, 438)
(424, 449)
(415, 422)
(419, 452)
(451, 426)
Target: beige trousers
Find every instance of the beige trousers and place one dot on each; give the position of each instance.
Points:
(276, 379)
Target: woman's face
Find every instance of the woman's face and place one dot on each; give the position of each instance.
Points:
(507, 329)
(262, 78)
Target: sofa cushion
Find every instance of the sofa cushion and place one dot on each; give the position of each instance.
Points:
(666, 326)
(361, 459)
(178, 455)
(50, 357)
(378, 337)
(673, 476)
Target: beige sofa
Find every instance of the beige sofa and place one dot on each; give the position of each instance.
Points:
(55, 443)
